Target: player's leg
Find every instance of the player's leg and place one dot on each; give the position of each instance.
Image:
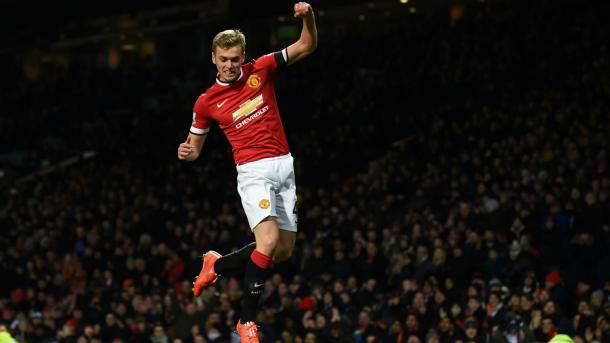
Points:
(267, 237)
(256, 184)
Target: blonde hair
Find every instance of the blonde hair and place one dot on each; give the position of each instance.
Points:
(229, 38)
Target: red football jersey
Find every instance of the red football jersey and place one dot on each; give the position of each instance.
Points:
(246, 110)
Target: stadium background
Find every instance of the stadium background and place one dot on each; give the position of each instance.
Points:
(452, 162)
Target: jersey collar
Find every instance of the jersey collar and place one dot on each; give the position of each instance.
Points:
(241, 74)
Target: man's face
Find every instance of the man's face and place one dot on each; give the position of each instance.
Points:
(526, 304)
(411, 321)
(471, 332)
(228, 62)
(547, 325)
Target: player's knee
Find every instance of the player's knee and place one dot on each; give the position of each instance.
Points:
(267, 244)
(267, 236)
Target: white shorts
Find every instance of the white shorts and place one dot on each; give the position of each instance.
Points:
(267, 187)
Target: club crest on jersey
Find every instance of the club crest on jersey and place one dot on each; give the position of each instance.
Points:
(248, 107)
(254, 81)
(264, 204)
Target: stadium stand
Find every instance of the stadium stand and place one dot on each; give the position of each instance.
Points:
(454, 186)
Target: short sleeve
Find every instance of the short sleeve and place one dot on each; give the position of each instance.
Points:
(201, 119)
(273, 60)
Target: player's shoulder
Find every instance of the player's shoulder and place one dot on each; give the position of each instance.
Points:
(202, 100)
(276, 58)
(266, 58)
(209, 93)
(202, 97)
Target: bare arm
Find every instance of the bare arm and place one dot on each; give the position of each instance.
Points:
(191, 148)
(308, 41)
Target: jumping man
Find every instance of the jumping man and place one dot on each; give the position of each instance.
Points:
(242, 102)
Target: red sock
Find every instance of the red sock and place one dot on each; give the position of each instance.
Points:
(261, 260)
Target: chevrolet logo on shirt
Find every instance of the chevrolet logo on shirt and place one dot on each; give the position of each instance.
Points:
(248, 107)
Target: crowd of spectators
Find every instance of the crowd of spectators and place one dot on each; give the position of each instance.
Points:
(454, 187)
